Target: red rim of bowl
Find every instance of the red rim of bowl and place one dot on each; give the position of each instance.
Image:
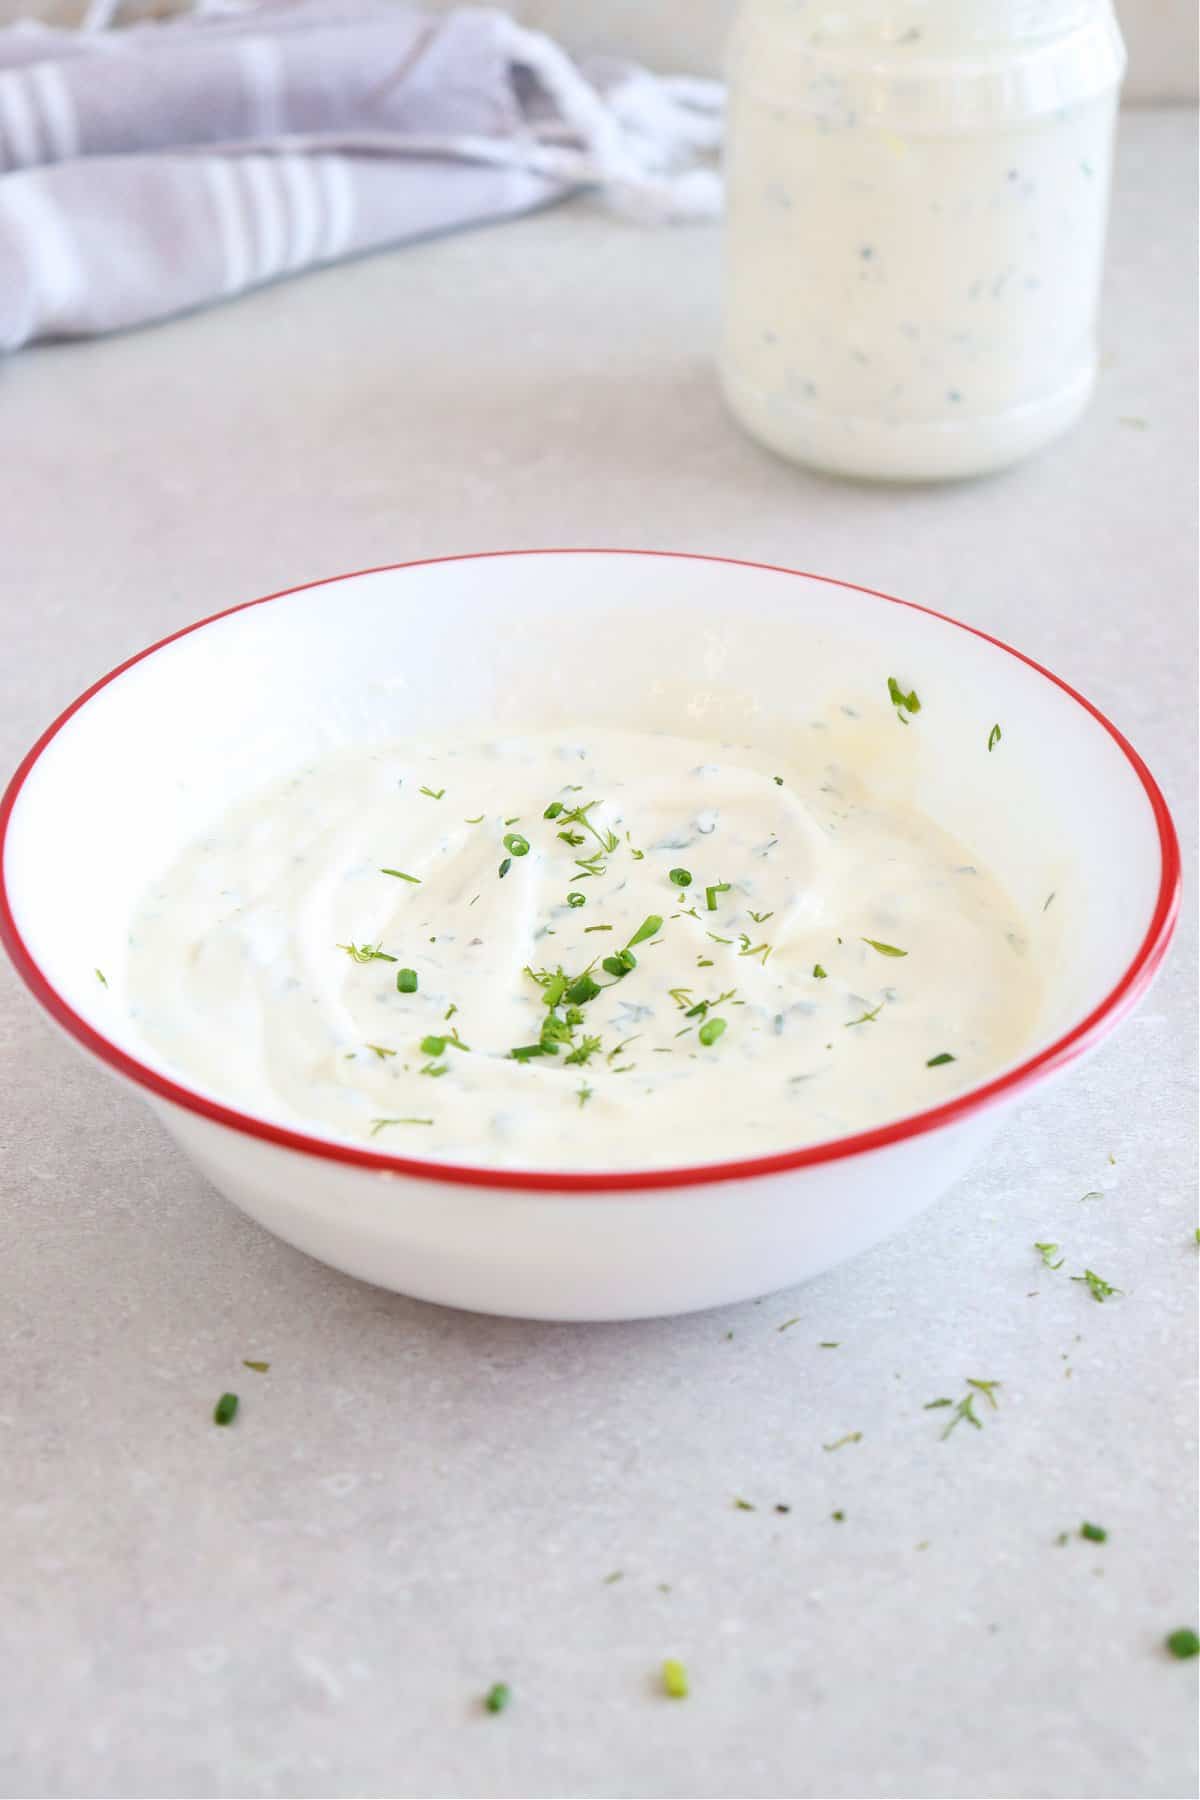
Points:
(1064, 1050)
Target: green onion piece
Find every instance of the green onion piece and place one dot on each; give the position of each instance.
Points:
(710, 894)
(711, 1030)
(582, 989)
(505, 866)
(433, 793)
(497, 1697)
(517, 844)
(432, 1046)
(406, 981)
(225, 1409)
(884, 949)
(646, 929)
(401, 876)
(675, 1681)
(994, 736)
(943, 1056)
(1095, 1534)
(553, 810)
(1183, 1643)
(576, 898)
(681, 877)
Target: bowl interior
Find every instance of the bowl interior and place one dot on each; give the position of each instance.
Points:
(483, 646)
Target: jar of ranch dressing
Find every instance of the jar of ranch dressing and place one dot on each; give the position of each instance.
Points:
(916, 210)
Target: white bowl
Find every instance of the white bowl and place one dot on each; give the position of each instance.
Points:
(154, 752)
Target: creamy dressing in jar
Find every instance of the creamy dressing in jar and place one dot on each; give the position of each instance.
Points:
(610, 950)
(916, 213)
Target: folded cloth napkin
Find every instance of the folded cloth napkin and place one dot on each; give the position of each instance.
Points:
(151, 169)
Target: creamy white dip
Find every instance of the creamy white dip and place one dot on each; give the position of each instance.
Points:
(361, 949)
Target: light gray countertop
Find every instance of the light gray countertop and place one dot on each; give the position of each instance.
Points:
(415, 1503)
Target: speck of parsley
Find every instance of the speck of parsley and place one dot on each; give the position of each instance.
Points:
(681, 877)
(553, 810)
(1046, 1251)
(620, 965)
(932, 1405)
(839, 1515)
(675, 1679)
(942, 1057)
(903, 703)
(819, 974)
(1095, 1534)
(1098, 1288)
(778, 780)
(994, 736)
(516, 844)
(225, 1411)
(401, 876)
(497, 1697)
(651, 924)
(830, 1344)
(406, 981)
(365, 953)
(1182, 1643)
(788, 1323)
(260, 1368)
(101, 977)
(740, 1505)
(433, 793)
(710, 894)
(884, 949)
(710, 1031)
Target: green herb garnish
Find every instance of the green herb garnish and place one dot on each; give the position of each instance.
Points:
(884, 949)
(381, 1051)
(1095, 1534)
(1097, 1288)
(681, 877)
(365, 953)
(581, 990)
(406, 981)
(591, 865)
(760, 918)
(1047, 1251)
(518, 845)
(943, 1056)
(865, 1018)
(225, 1410)
(851, 1437)
(433, 793)
(377, 1125)
(575, 898)
(585, 1093)
(740, 1505)
(620, 964)
(903, 703)
(505, 866)
(401, 876)
(649, 925)
(260, 1368)
(588, 928)
(101, 977)
(819, 973)
(932, 1405)
(675, 1681)
(994, 736)
(1183, 1643)
(497, 1697)
(710, 1031)
(553, 810)
(710, 894)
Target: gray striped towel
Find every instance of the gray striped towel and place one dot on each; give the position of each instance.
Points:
(151, 169)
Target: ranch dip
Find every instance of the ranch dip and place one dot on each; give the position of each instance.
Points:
(616, 950)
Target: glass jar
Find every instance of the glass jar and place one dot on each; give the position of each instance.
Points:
(917, 196)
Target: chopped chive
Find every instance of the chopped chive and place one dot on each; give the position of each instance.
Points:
(505, 866)
(518, 845)
(932, 1405)
(681, 877)
(381, 1051)
(819, 973)
(476, 821)
(401, 876)
(406, 981)
(523, 1052)
(884, 949)
(225, 1410)
(515, 820)
(675, 1681)
(851, 1437)
(710, 1031)
(649, 925)
(553, 810)
(865, 1018)
(1095, 1534)
(433, 793)
(710, 894)
(260, 1368)
(994, 736)
(830, 1344)
(575, 898)
(377, 1125)
(497, 1697)
(943, 1056)
(1182, 1643)
(588, 928)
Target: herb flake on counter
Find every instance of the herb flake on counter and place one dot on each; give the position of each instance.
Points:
(1098, 1288)
(260, 1368)
(851, 1437)
(225, 1411)
(1182, 1643)
(942, 1057)
(406, 982)
(585, 1093)
(994, 736)
(433, 793)
(675, 1680)
(401, 876)
(377, 1125)
(497, 1697)
(365, 953)
(884, 949)
(1046, 1251)
(1095, 1534)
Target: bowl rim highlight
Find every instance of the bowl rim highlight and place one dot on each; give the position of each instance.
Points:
(1070, 1045)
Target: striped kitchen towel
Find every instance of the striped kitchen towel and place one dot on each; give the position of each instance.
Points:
(147, 170)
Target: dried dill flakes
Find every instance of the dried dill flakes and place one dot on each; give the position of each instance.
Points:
(1097, 1287)
(851, 1437)
(839, 1515)
(497, 1697)
(674, 1679)
(225, 1411)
